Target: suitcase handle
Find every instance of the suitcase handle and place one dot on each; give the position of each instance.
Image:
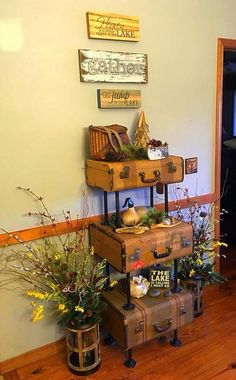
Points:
(162, 255)
(163, 328)
(150, 180)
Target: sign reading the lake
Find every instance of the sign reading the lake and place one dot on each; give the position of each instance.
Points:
(111, 26)
(160, 278)
(109, 66)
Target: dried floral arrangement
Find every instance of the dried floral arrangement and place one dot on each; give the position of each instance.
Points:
(200, 265)
(59, 274)
(153, 143)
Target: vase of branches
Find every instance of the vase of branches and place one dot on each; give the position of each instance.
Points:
(60, 274)
(198, 270)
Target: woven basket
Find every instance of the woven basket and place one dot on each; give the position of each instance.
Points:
(106, 139)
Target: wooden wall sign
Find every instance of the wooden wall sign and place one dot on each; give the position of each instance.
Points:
(109, 66)
(109, 26)
(115, 98)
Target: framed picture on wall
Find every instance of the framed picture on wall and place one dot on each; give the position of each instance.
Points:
(191, 165)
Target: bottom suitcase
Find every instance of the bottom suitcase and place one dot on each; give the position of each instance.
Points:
(151, 317)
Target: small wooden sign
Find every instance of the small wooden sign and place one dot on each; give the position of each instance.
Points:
(109, 26)
(109, 66)
(160, 278)
(117, 98)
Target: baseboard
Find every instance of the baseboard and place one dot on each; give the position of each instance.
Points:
(32, 356)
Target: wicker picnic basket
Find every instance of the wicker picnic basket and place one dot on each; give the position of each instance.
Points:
(106, 139)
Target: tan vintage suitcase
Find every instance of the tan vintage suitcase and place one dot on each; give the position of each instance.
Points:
(128, 252)
(151, 317)
(115, 176)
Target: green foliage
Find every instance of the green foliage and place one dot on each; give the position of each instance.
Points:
(132, 152)
(114, 221)
(153, 216)
(190, 267)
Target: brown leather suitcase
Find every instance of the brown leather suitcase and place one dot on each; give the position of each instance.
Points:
(152, 317)
(115, 176)
(128, 252)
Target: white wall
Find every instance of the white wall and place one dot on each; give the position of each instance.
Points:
(45, 109)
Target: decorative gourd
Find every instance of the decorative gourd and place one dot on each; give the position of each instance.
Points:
(130, 217)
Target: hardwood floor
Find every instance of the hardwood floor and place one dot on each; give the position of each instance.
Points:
(208, 350)
(228, 264)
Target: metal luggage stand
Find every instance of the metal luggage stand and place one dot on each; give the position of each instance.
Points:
(176, 342)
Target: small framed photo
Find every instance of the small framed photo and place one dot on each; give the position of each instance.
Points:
(191, 165)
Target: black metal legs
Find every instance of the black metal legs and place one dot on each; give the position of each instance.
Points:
(129, 305)
(177, 288)
(176, 342)
(105, 207)
(129, 362)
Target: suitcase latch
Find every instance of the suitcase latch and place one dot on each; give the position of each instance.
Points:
(140, 327)
(171, 167)
(125, 172)
(136, 256)
(182, 310)
(185, 242)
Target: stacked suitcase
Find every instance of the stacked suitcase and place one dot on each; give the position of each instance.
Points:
(128, 320)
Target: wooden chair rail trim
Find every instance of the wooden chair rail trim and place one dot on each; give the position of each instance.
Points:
(64, 227)
(32, 356)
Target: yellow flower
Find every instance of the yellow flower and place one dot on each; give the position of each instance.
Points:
(79, 308)
(219, 244)
(65, 311)
(199, 262)
(191, 273)
(113, 283)
(57, 256)
(61, 306)
(38, 313)
(40, 296)
(91, 249)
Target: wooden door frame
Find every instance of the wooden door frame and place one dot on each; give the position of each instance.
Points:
(223, 44)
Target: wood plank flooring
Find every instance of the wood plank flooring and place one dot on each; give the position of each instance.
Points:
(208, 350)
